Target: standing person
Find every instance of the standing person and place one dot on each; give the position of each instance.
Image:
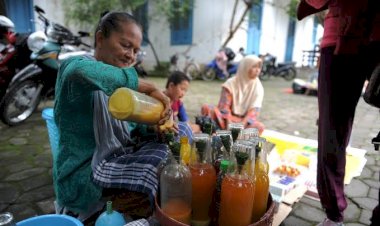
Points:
(176, 87)
(349, 53)
(78, 111)
(241, 97)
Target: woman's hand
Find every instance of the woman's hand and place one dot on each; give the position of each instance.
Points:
(166, 123)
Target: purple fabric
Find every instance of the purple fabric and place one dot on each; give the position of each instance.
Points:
(340, 83)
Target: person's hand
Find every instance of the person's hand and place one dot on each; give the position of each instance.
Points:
(167, 124)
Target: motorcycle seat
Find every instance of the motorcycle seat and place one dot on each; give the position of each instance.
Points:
(286, 64)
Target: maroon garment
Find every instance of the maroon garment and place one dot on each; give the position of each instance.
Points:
(339, 89)
(342, 72)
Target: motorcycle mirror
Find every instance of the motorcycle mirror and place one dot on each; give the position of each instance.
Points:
(38, 9)
(84, 34)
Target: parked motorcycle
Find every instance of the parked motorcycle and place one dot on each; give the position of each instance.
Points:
(270, 68)
(310, 87)
(138, 64)
(14, 53)
(37, 80)
(222, 66)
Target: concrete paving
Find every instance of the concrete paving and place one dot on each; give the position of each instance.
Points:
(26, 186)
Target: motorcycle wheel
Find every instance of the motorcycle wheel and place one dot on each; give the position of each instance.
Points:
(290, 74)
(209, 74)
(264, 76)
(20, 102)
(192, 70)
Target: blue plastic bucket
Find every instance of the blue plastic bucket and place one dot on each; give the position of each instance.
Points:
(48, 115)
(50, 220)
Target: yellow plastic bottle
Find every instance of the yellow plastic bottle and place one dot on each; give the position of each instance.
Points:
(129, 105)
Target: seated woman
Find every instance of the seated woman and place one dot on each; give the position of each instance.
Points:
(176, 87)
(86, 128)
(241, 97)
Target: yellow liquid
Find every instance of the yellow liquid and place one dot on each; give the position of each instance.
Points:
(261, 195)
(126, 104)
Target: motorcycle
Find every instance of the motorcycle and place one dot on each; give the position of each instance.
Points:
(286, 70)
(221, 66)
(310, 87)
(138, 64)
(37, 80)
(14, 53)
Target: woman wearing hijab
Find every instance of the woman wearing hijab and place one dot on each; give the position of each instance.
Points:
(241, 97)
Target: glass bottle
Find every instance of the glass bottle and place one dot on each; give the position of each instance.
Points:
(224, 138)
(129, 105)
(203, 180)
(175, 188)
(169, 140)
(224, 164)
(237, 188)
(249, 133)
(185, 151)
(261, 182)
(235, 129)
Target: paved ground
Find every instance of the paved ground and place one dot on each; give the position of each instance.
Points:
(25, 178)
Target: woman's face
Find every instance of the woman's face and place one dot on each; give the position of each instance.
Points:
(254, 71)
(121, 47)
(178, 91)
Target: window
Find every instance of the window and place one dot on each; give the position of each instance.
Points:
(181, 25)
(141, 15)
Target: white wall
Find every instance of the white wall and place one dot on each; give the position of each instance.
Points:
(274, 29)
(303, 38)
(53, 11)
(211, 21)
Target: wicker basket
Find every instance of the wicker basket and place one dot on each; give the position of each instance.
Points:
(163, 218)
(267, 219)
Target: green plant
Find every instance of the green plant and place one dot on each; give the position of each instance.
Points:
(291, 9)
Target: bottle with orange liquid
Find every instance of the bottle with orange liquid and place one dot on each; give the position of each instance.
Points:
(237, 188)
(224, 164)
(262, 181)
(203, 180)
(175, 188)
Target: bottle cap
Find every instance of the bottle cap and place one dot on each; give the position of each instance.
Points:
(224, 165)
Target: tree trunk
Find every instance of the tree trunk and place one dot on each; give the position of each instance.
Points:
(154, 52)
(232, 32)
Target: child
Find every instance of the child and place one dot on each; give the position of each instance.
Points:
(176, 88)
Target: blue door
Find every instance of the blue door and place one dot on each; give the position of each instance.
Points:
(21, 13)
(290, 40)
(254, 28)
